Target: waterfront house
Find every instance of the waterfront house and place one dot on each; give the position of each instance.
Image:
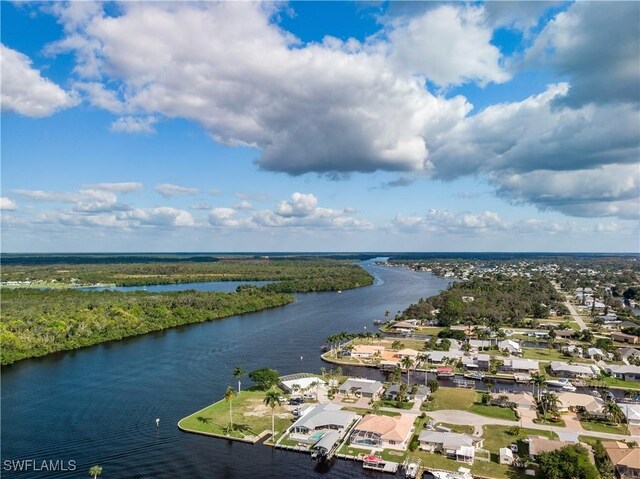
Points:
(407, 352)
(577, 402)
(478, 362)
(565, 370)
(623, 371)
(538, 445)
(301, 382)
(516, 365)
(403, 327)
(460, 447)
(631, 413)
(439, 357)
(624, 459)
(366, 351)
(323, 417)
(625, 338)
(595, 354)
(383, 431)
(360, 387)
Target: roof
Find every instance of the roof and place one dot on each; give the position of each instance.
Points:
(389, 428)
(505, 451)
(363, 385)
(366, 348)
(542, 444)
(323, 415)
(621, 455)
(438, 356)
(450, 440)
(574, 368)
(327, 441)
(515, 363)
(404, 324)
(517, 398)
(590, 403)
(626, 352)
(622, 368)
(303, 383)
(630, 411)
(407, 352)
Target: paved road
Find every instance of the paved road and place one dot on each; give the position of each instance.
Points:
(566, 433)
(576, 317)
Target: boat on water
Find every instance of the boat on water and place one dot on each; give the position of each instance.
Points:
(445, 372)
(474, 375)
(376, 463)
(596, 394)
(378, 321)
(561, 383)
(411, 470)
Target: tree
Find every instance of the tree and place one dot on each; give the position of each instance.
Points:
(538, 380)
(272, 399)
(397, 345)
(407, 363)
(239, 373)
(613, 412)
(264, 378)
(433, 385)
(229, 395)
(402, 392)
(515, 430)
(95, 471)
(567, 463)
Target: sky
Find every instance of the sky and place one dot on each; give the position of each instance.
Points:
(320, 126)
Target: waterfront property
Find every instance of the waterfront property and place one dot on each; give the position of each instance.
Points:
(300, 382)
(624, 459)
(366, 351)
(323, 418)
(519, 400)
(625, 372)
(565, 370)
(631, 413)
(520, 366)
(383, 431)
(360, 387)
(460, 447)
(576, 402)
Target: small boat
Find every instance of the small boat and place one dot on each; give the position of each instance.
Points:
(522, 378)
(562, 383)
(378, 321)
(339, 291)
(411, 470)
(596, 394)
(463, 473)
(474, 375)
(444, 372)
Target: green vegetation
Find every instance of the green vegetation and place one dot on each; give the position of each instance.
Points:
(264, 378)
(35, 323)
(452, 398)
(605, 468)
(567, 463)
(295, 275)
(599, 426)
(395, 404)
(251, 417)
(493, 411)
(509, 300)
(379, 412)
(496, 437)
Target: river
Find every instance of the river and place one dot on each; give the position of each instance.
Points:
(98, 405)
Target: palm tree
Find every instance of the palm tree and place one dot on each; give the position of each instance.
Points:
(613, 411)
(539, 380)
(315, 384)
(272, 399)
(229, 394)
(406, 363)
(95, 471)
(239, 373)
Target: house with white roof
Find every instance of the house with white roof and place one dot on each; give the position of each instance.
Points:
(361, 387)
(569, 401)
(631, 413)
(323, 417)
(366, 351)
(516, 365)
(300, 382)
(460, 447)
(626, 372)
(565, 370)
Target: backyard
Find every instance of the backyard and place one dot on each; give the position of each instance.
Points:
(467, 400)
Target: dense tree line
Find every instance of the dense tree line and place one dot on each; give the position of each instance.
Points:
(570, 462)
(493, 302)
(297, 275)
(35, 323)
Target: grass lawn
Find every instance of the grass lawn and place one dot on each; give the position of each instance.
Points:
(494, 411)
(457, 427)
(395, 404)
(608, 381)
(598, 426)
(362, 411)
(548, 355)
(452, 398)
(250, 417)
(548, 422)
(496, 437)
(484, 469)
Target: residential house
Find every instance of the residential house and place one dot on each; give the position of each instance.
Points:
(403, 327)
(407, 352)
(366, 351)
(511, 346)
(631, 413)
(478, 362)
(383, 431)
(519, 400)
(625, 372)
(323, 417)
(595, 353)
(439, 357)
(577, 402)
(625, 459)
(460, 447)
(572, 350)
(300, 382)
(625, 338)
(564, 333)
(361, 387)
(565, 370)
(516, 365)
(538, 445)
(628, 353)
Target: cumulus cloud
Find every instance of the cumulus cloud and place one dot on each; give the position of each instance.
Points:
(7, 203)
(399, 182)
(132, 124)
(25, 91)
(597, 46)
(168, 190)
(448, 45)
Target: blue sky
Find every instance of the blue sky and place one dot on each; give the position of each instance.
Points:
(329, 126)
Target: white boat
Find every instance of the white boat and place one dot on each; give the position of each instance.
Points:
(463, 473)
(474, 375)
(561, 383)
(411, 470)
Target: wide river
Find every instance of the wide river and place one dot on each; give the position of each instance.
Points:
(98, 405)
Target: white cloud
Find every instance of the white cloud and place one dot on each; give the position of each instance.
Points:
(162, 216)
(131, 124)
(101, 97)
(167, 190)
(25, 91)
(300, 205)
(200, 206)
(123, 187)
(7, 204)
(448, 45)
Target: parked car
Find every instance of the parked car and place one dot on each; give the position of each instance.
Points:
(514, 447)
(295, 401)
